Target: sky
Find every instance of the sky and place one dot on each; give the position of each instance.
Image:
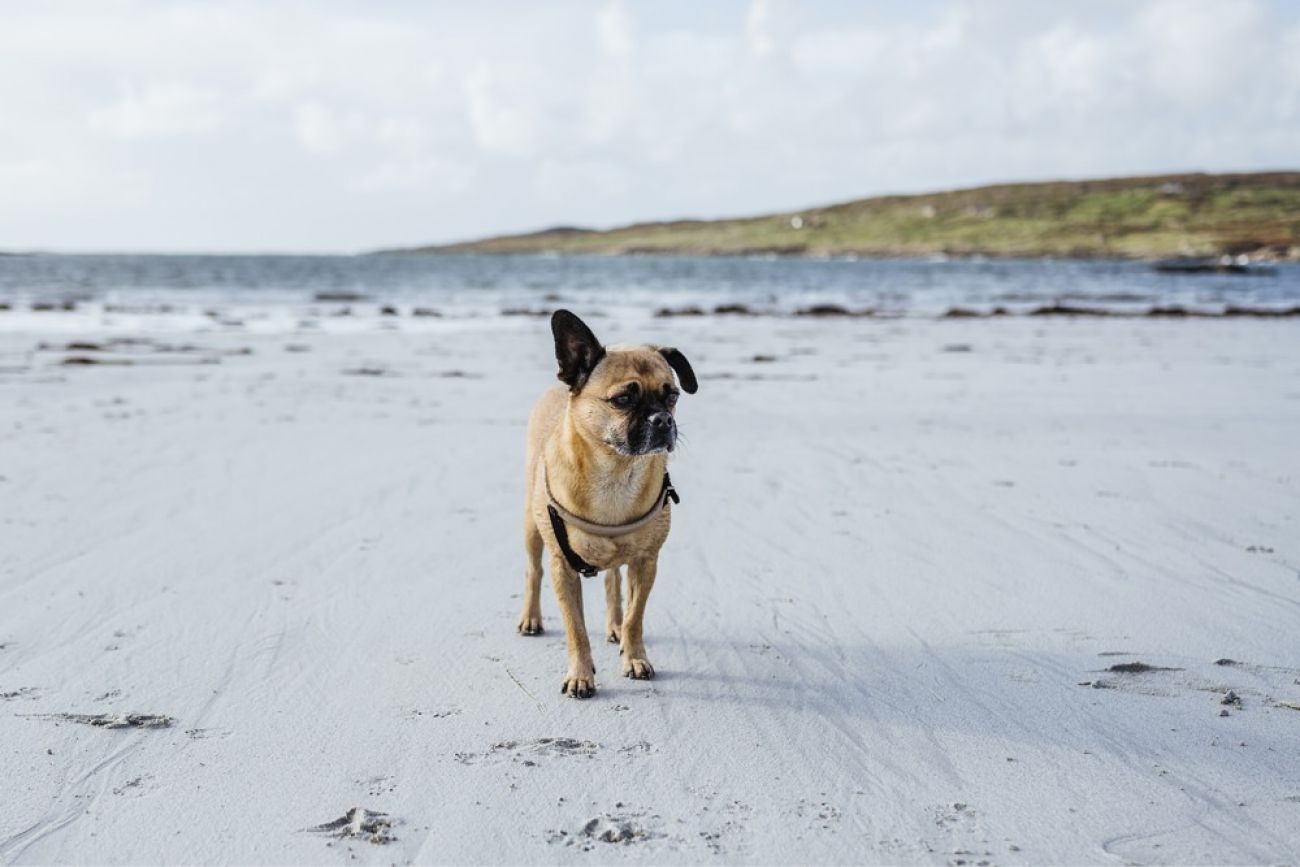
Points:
(348, 126)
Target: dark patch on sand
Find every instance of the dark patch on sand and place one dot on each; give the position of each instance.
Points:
(360, 824)
(72, 346)
(1124, 682)
(21, 692)
(207, 734)
(417, 713)
(136, 783)
(141, 309)
(829, 310)
(86, 360)
(140, 346)
(51, 306)
(111, 720)
(1137, 668)
(1056, 308)
(1167, 312)
(125, 351)
(367, 371)
(967, 313)
(339, 296)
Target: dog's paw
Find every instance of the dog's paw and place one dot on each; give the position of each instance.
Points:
(614, 633)
(638, 669)
(580, 686)
(529, 625)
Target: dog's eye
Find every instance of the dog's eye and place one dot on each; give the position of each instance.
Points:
(670, 398)
(622, 401)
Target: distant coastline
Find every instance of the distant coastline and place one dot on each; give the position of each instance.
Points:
(1256, 214)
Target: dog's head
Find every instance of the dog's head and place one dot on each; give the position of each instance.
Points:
(622, 396)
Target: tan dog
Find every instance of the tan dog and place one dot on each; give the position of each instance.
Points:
(598, 488)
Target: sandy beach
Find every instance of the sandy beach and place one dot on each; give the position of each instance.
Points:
(938, 592)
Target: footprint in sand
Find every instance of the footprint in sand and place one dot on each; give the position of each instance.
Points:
(530, 752)
(361, 824)
(623, 828)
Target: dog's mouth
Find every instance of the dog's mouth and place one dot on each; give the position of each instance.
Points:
(658, 441)
(651, 443)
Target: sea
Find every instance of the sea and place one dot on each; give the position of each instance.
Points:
(286, 292)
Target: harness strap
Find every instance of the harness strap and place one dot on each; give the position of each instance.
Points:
(581, 566)
(559, 515)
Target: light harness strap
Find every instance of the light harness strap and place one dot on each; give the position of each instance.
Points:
(559, 515)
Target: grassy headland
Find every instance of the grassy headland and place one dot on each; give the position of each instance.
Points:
(1195, 214)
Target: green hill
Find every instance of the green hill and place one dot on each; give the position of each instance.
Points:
(1120, 217)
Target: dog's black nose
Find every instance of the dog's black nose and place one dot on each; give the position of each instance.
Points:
(660, 421)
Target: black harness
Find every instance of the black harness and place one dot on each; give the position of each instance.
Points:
(585, 569)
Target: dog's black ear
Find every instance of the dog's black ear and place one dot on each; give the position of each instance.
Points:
(682, 367)
(576, 349)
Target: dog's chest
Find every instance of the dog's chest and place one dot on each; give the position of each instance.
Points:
(608, 552)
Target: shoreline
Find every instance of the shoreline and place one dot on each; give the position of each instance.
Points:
(837, 255)
(361, 314)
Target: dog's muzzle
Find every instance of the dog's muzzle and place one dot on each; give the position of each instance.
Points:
(661, 432)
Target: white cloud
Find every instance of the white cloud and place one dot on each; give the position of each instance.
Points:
(347, 125)
(559, 180)
(161, 109)
(758, 28)
(1200, 50)
(506, 107)
(419, 173)
(614, 31)
(323, 130)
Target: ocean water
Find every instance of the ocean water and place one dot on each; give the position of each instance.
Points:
(287, 289)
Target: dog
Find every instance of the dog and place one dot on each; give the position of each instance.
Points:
(598, 490)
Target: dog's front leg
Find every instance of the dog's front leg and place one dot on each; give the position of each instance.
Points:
(530, 620)
(580, 682)
(613, 605)
(640, 578)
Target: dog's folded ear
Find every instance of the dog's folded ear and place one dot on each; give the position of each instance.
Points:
(576, 349)
(681, 367)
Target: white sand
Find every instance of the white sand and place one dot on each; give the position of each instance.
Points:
(892, 570)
